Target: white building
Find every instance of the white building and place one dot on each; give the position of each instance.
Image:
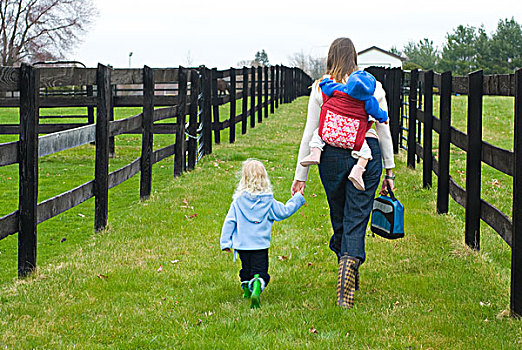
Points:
(375, 56)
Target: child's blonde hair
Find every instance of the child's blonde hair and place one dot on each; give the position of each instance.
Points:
(254, 179)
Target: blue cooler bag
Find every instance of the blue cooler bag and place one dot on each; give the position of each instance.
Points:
(388, 217)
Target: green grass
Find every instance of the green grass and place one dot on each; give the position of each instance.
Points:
(105, 291)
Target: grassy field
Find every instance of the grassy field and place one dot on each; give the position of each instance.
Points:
(157, 279)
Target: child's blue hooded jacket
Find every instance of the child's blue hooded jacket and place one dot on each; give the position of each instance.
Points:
(249, 220)
(361, 86)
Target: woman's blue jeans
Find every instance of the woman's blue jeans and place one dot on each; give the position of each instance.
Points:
(350, 208)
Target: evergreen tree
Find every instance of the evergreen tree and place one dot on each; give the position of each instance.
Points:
(423, 53)
(459, 54)
(506, 47)
(262, 58)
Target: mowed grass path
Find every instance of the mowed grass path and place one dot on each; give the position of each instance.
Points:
(157, 278)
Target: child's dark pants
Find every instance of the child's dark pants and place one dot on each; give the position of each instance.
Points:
(254, 261)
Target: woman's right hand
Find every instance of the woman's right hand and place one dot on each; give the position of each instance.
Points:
(384, 187)
(298, 186)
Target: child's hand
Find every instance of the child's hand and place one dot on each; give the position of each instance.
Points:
(227, 250)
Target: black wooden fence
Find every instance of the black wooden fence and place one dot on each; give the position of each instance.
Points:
(196, 98)
(421, 87)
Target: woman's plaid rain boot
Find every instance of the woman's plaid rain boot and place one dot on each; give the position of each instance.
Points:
(346, 280)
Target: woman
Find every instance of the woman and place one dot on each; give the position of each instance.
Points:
(349, 208)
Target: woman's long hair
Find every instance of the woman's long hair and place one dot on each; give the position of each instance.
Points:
(342, 59)
(254, 179)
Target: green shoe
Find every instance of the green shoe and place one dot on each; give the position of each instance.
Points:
(256, 292)
(246, 290)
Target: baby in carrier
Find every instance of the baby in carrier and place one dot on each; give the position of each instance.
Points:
(347, 125)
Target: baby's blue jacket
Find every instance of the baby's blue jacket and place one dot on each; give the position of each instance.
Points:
(361, 86)
(250, 218)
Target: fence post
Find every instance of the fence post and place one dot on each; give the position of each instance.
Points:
(215, 107)
(266, 103)
(193, 120)
(90, 110)
(259, 94)
(101, 181)
(282, 97)
(253, 97)
(444, 143)
(180, 145)
(516, 247)
(112, 146)
(395, 106)
(277, 87)
(412, 118)
(272, 89)
(206, 114)
(419, 106)
(147, 134)
(244, 102)
(473, 160)
(427, 166)
(28, 170)
(294, 84)
(232, 130)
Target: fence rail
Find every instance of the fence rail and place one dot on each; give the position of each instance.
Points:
(196, 97)
(475, 86)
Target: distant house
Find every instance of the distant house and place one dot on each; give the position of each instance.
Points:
(375, 56)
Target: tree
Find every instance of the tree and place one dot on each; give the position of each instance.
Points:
(315, 67)
(36, 30)
(459, 54)
(422, 53)
(395, 51)
(506, 47)
(262, 58)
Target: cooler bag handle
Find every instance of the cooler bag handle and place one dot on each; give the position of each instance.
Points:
(390, 192)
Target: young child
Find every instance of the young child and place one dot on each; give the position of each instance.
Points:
(361, 86)
(248, 225)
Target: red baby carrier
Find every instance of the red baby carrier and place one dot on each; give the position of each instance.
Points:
(343, 121)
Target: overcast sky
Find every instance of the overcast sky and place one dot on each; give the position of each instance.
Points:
(169, 33)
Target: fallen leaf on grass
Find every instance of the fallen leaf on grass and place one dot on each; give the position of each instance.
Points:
(310, 264)
(199, 321)
(312, 330)
(314, 195)
(174, 261)
(396, 303)
(81, 215)
(282, 257)
(63, 240)
(103, 277)
(186, 204)
(502, 314)
(189, 217)
(160, 268)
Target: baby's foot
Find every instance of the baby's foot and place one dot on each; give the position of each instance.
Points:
(356, 177)
(313, 158)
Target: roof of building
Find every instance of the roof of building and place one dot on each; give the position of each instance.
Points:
(383, 51)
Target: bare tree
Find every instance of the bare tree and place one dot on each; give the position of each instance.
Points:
(313, 66)
(36, 30)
